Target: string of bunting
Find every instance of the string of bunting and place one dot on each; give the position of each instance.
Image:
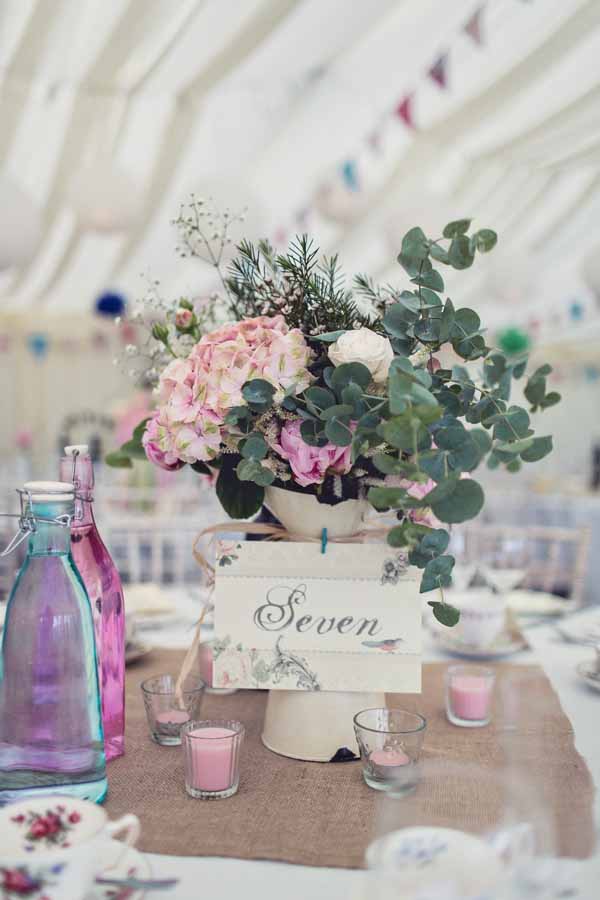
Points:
(403, 111)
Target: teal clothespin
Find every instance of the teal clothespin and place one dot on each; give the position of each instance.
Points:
(323, 540)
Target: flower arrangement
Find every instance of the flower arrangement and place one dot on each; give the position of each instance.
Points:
(341, 393)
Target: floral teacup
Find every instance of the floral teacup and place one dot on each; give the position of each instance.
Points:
(51, 845)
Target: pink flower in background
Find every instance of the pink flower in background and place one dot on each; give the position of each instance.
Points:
(183, 317)
(158, 446)
(195, 394)
(309, 464)
(24, 439)
(418, 490)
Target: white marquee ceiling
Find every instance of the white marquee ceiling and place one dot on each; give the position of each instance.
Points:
(266, 98)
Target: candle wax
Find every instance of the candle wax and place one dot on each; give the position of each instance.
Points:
(211, 758)
(391, 757)
(171, 720)
(470, 697)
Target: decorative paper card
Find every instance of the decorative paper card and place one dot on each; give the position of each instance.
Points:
(291, 617)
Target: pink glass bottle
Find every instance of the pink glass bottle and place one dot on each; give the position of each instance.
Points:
(103, 586)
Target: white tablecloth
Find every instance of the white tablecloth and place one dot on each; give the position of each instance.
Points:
(226, 878)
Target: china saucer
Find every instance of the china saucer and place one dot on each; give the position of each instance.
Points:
(590, 674)
(506, 644)
(119, 861)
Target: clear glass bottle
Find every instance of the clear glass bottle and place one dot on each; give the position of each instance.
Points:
(51, 739)
(103, 585)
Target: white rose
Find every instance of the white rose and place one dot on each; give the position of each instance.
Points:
(366, 347)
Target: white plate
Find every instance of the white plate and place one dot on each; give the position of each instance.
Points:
(537, 603)
(506, 644)
(581, 630)
(422, 859)
(135, 651)
(589, 673)
(119, 861)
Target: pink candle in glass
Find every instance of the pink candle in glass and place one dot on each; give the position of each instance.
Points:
(211, 757)
(469, 694)
(171, 720)
(389, 757)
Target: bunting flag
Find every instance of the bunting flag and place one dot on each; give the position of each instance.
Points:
(374, 141)
(438, 71)
(404, 111)
(473, 26)
(350, 175)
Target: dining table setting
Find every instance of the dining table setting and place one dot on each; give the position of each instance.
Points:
(336, 831)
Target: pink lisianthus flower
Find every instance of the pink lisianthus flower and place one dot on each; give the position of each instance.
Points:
(158, 445)
(309, 464)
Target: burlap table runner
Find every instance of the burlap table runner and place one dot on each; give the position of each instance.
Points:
(323, 814)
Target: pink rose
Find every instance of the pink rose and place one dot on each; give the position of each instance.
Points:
(183, 318)
(309, 464)
(39, 828)
(155, 440)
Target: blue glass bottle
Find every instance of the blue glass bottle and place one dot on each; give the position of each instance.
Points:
(51, 737)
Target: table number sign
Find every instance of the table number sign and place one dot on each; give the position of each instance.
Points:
(291, 617)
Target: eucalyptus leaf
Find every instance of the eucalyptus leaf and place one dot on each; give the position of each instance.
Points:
(118, 460)
(429, 279)
(437, 574)
(258, 392)
(485, 240)
(312, 433)
(254, 447)
(456, 228)
(465, 502)
(338, 432)
(460, 255)
(445, 613)
(539, 448)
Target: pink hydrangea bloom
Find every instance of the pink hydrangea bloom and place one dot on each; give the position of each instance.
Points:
(159, 447)
(195, 394)
(309, 464)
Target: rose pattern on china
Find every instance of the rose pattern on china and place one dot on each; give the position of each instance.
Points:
(50, 829)
(21, 881)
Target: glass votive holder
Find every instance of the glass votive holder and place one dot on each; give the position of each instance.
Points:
(390, 742)
(167, 710)
(211, 754)
(469, 691)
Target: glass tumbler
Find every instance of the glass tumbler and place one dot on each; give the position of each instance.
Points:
(166, 710)
(469, 691)
(390, 742)
(211, 753)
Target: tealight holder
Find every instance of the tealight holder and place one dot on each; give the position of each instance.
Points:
(167, 710)
(211, 755)
(469, 691)
(390, 742)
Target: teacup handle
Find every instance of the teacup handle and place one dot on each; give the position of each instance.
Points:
(128, 824)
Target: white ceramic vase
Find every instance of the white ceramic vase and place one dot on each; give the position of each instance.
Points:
(314, 725)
